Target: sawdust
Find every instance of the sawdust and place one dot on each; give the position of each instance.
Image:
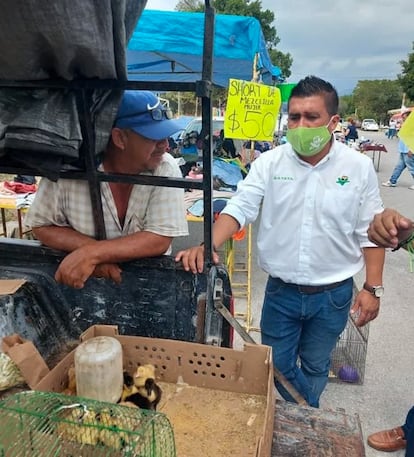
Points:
(213, 423)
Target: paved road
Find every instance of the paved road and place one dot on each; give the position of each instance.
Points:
(387, 393)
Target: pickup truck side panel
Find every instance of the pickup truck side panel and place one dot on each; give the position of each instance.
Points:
(156, 298)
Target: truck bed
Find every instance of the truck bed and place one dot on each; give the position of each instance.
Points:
(156, 298)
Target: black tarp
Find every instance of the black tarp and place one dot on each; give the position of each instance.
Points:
(69, 40)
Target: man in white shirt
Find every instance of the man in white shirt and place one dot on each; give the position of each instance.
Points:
(392, 129)
(317, 197)
(140, 221)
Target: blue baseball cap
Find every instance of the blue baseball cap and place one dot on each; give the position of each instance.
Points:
(143, 112)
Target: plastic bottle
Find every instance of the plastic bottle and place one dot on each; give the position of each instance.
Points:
(98, 368)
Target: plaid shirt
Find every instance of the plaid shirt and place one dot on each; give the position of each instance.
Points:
(66, 203)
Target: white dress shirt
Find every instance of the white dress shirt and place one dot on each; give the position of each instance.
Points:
(314, 219)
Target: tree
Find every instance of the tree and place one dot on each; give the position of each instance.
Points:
(284, 61)
(183, 103)
(251, 9)
(190, 5)
(374, 98)
(346, 106)
(406, 78)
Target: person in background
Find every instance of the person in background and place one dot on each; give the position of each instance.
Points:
(390, 229)
(140, 220)
(225, 146)
(229, 148)
(392, 129)
(351, 132)
(317, 197)
(339, 128)
(405, 160)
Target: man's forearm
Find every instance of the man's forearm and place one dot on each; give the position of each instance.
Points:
(129, 247)
(224, 227)
(135, 246)
(62, 238)
(374, 265)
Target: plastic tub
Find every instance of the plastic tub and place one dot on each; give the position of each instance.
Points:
(98, 368)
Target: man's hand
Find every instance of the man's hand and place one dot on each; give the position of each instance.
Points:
(77, 267)
(366, 308)
(193, 259)
(108, 271)
(389, 228)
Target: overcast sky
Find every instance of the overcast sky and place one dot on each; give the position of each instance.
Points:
(341, 41)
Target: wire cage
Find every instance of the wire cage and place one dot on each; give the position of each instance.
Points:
(349, 356)
(42, 424)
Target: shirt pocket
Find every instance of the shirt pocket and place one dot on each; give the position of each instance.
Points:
(340, 208)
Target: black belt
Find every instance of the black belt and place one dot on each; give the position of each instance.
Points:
(309, 290)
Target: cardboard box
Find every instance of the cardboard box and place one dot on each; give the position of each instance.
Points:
(246, 372)
(10, 286)
(27, 358)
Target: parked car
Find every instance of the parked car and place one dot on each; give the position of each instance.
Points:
(370, 124)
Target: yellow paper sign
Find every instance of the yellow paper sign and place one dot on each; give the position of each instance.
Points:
(252, 110)
(406, 132)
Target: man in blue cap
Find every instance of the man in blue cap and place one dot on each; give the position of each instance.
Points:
(140, 221)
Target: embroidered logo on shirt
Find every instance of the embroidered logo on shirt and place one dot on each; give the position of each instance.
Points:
(342, 180)
(283, 178)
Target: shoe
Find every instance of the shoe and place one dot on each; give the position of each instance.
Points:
(388, 440)
(411, 187)
(389, 184)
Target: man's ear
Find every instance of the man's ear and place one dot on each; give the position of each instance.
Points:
(335, 120)
(119, 138)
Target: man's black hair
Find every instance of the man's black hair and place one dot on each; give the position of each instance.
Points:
(312, 85)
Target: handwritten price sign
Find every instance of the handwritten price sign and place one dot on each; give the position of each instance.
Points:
(251, 111)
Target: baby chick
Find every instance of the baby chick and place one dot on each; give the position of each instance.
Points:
(142, 373)
(128, 403)
(79, 425)
(147, 396)
(71, 389)
(129, 387)
(114, 432)
(143, 392)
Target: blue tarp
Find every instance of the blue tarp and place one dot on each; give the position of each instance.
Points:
(168, 46)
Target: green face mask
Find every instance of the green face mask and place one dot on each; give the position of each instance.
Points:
(308, 141)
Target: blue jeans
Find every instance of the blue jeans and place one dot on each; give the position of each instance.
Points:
(404, 161)
(305, 328)
(392, 133)
(408, 428)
